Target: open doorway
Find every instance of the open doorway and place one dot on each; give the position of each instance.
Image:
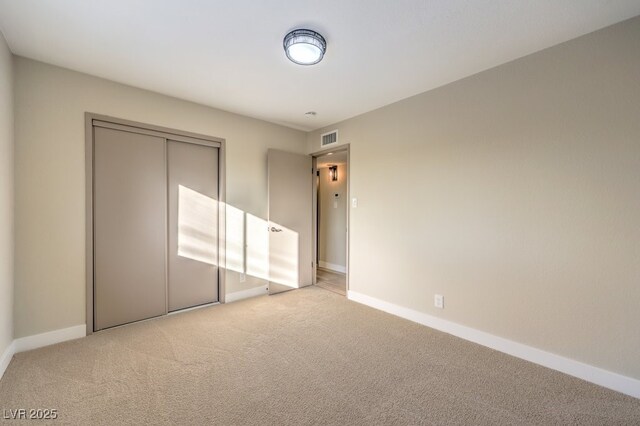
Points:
(331, 220)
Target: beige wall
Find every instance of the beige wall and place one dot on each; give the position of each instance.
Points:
(6, 196)
(333, 221)
(50, 194)
(515, 193)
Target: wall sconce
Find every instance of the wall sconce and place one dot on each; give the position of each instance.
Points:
(333, 173)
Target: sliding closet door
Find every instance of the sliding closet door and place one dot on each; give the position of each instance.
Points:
(129, 227)
(193, 224)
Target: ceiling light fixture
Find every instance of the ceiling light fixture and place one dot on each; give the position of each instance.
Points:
(304, 47)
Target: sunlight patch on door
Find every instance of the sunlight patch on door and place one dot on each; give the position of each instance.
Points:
(283, 256)
(197, 226)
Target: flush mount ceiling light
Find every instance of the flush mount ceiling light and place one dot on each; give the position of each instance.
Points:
(304, 47)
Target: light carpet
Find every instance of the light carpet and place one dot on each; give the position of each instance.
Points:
(303, 357)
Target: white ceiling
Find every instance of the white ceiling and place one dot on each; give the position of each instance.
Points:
(228, 53)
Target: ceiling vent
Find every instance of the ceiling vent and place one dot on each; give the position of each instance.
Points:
(329, 138)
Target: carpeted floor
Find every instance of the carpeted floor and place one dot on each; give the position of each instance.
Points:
(303, 357)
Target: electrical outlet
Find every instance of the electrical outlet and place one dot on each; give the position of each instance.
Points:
(438, 301)
(243, 277)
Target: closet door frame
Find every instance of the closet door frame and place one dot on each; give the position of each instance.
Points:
(96, 120)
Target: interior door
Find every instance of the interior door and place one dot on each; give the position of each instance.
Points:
(193, 224)
(290, 186)
(129, 227)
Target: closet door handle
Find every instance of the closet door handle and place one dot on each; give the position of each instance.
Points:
(274, 229)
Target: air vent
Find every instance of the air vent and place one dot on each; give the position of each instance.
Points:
(329, 138)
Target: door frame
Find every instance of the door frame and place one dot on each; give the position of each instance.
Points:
(315, 155)
(166, 133)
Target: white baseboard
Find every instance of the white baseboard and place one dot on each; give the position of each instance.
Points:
(245, 294)
(332, 266)
(6, 357)
(49, 338)
(40, 340)
(589, 373)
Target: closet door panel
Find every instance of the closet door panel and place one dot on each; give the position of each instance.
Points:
(129, 227)
(193, 224)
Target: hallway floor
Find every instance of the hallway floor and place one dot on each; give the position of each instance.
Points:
(332, 281)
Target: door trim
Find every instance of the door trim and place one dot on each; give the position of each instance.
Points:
(315, 155)
(92, 120)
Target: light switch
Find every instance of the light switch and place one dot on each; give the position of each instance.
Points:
(354, 202)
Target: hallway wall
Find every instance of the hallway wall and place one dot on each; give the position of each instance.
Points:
(332, 252)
